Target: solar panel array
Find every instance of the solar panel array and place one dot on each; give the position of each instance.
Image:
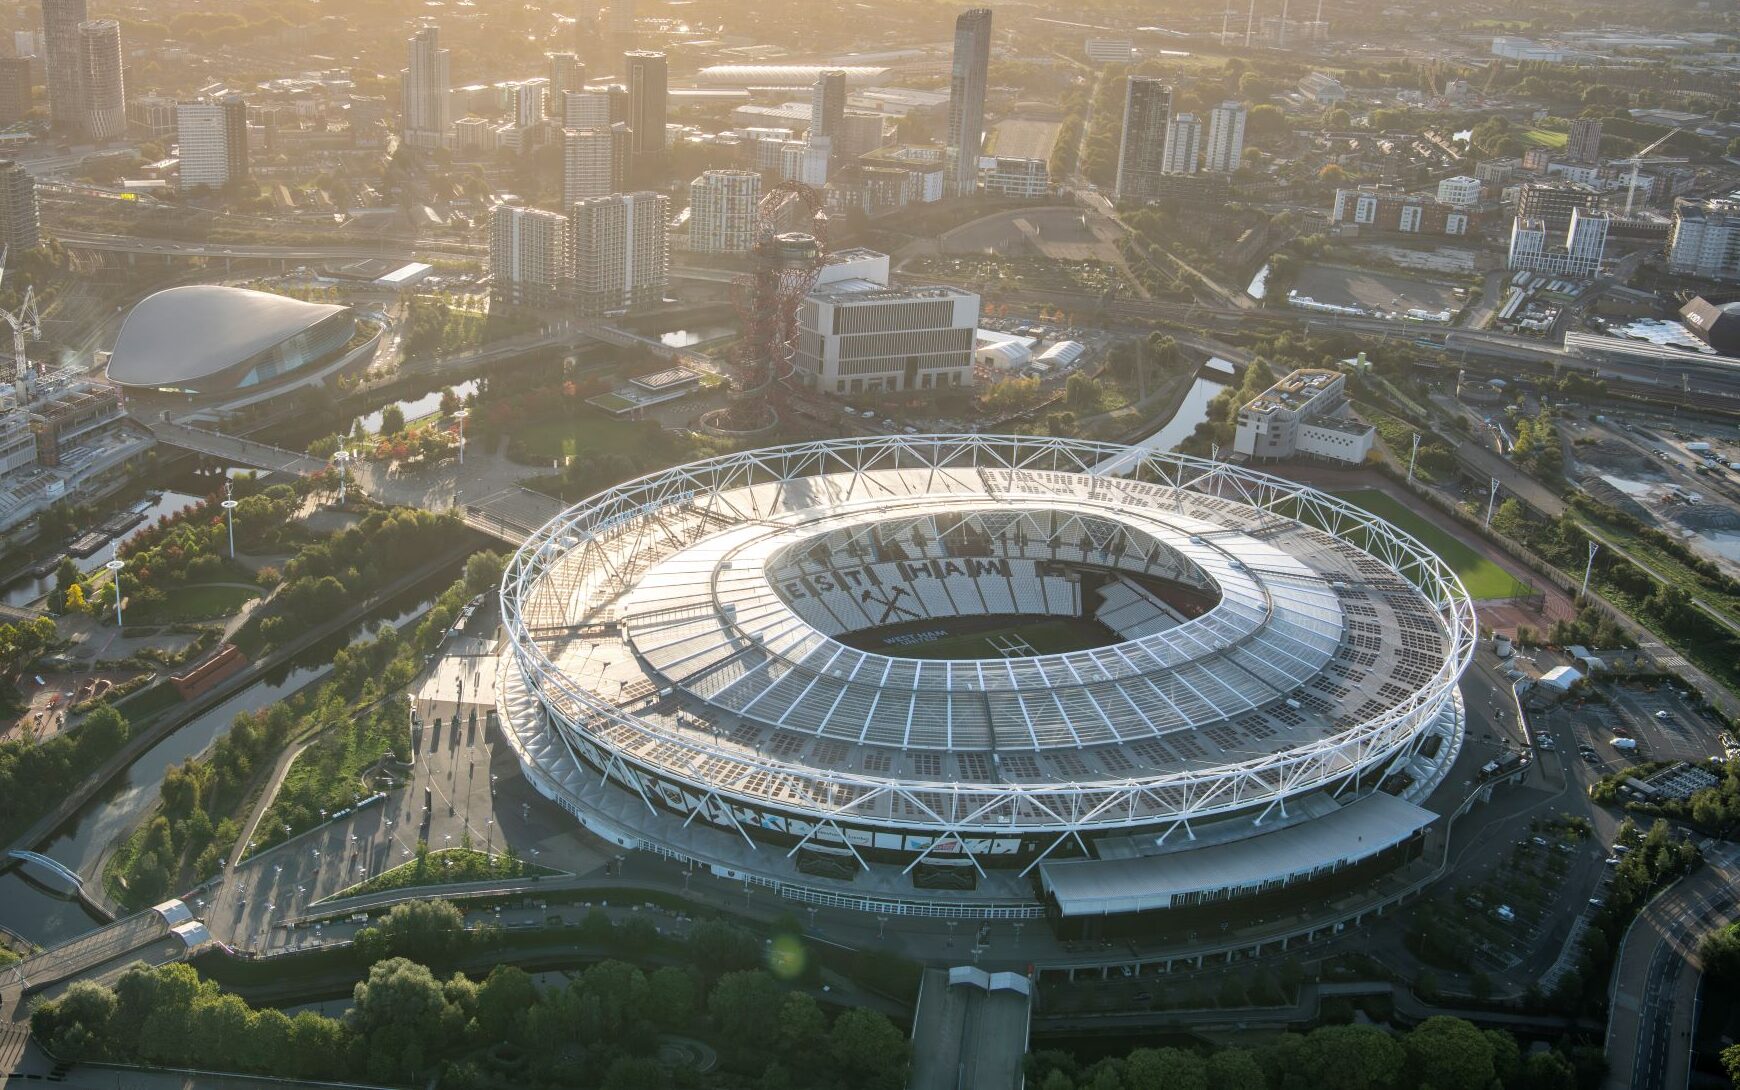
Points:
(726, 629)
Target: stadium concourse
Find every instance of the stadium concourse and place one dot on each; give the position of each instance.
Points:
(990, 677)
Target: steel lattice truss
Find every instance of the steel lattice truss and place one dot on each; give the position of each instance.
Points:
(572, 574)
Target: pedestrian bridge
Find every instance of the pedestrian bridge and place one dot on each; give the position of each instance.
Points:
(50, 872)
(235, 450)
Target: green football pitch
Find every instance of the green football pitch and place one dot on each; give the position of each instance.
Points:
(1483, 578)
(1051, 636)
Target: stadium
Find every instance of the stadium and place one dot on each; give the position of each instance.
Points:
(989, 677)
(212, 340)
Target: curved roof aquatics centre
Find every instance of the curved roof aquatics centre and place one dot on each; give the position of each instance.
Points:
(986, 675)
(213, 338)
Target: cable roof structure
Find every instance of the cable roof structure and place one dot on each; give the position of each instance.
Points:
(734, 648)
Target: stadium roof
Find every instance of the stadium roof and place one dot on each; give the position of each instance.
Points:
(181, 335)
(1352, 833)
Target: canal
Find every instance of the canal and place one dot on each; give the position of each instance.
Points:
(27, 910)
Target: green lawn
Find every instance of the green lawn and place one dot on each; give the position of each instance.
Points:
(1483, 578)
(202, 602)
(565, 437)
(1546, 138)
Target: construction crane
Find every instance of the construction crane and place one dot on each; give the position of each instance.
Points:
(1643, 158)
(26, 326)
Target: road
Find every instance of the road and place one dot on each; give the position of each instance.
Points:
(1655, 984)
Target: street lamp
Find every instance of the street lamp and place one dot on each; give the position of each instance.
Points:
(342, 457)
(230, 517)
(115, 565)
(1594, 547)
(460, 416)
(1491, 500)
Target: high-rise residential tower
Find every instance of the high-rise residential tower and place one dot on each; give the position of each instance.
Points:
(966, 125)
(20, 228)
(527, 256)
(647, 101)
(1142, 148)
(426, 82)
(1224, 151)
(724, 211)
(1583, 145)
(62, 66)
(594, 162)
(103, 92)
(620, 27)
(566, 74)
(1183, 143)
(619, 251)
(213, 141)
(828, 104)
(585, 109)
(14, 89)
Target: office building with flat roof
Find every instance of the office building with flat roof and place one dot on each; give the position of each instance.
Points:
(1306, 414)
(859, 336)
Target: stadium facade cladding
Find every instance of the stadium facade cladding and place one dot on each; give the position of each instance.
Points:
(716, 664)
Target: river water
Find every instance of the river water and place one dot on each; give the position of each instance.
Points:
(25, 591)
(27, 910)
(417, 407)
(1192, 411)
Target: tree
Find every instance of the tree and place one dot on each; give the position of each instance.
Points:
(483, 571)
(76, 1026)
(502, 1002)
(868, 1050)
(450, 402)
(392, 420)
(635, 1073)
(719, 946)
(1264, 121)
(1548, 1071)
(744, 1004)
(1165, 1069)
(403, 1013)
(801, 1024)
(670, 1000)
(1349, 1058)
(1506, 1056)
(1720, 951)
(416, 929)
(1449, 1054)
(1235, 1069)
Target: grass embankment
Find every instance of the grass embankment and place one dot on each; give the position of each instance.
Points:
(1484, 579)
(447, 865)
